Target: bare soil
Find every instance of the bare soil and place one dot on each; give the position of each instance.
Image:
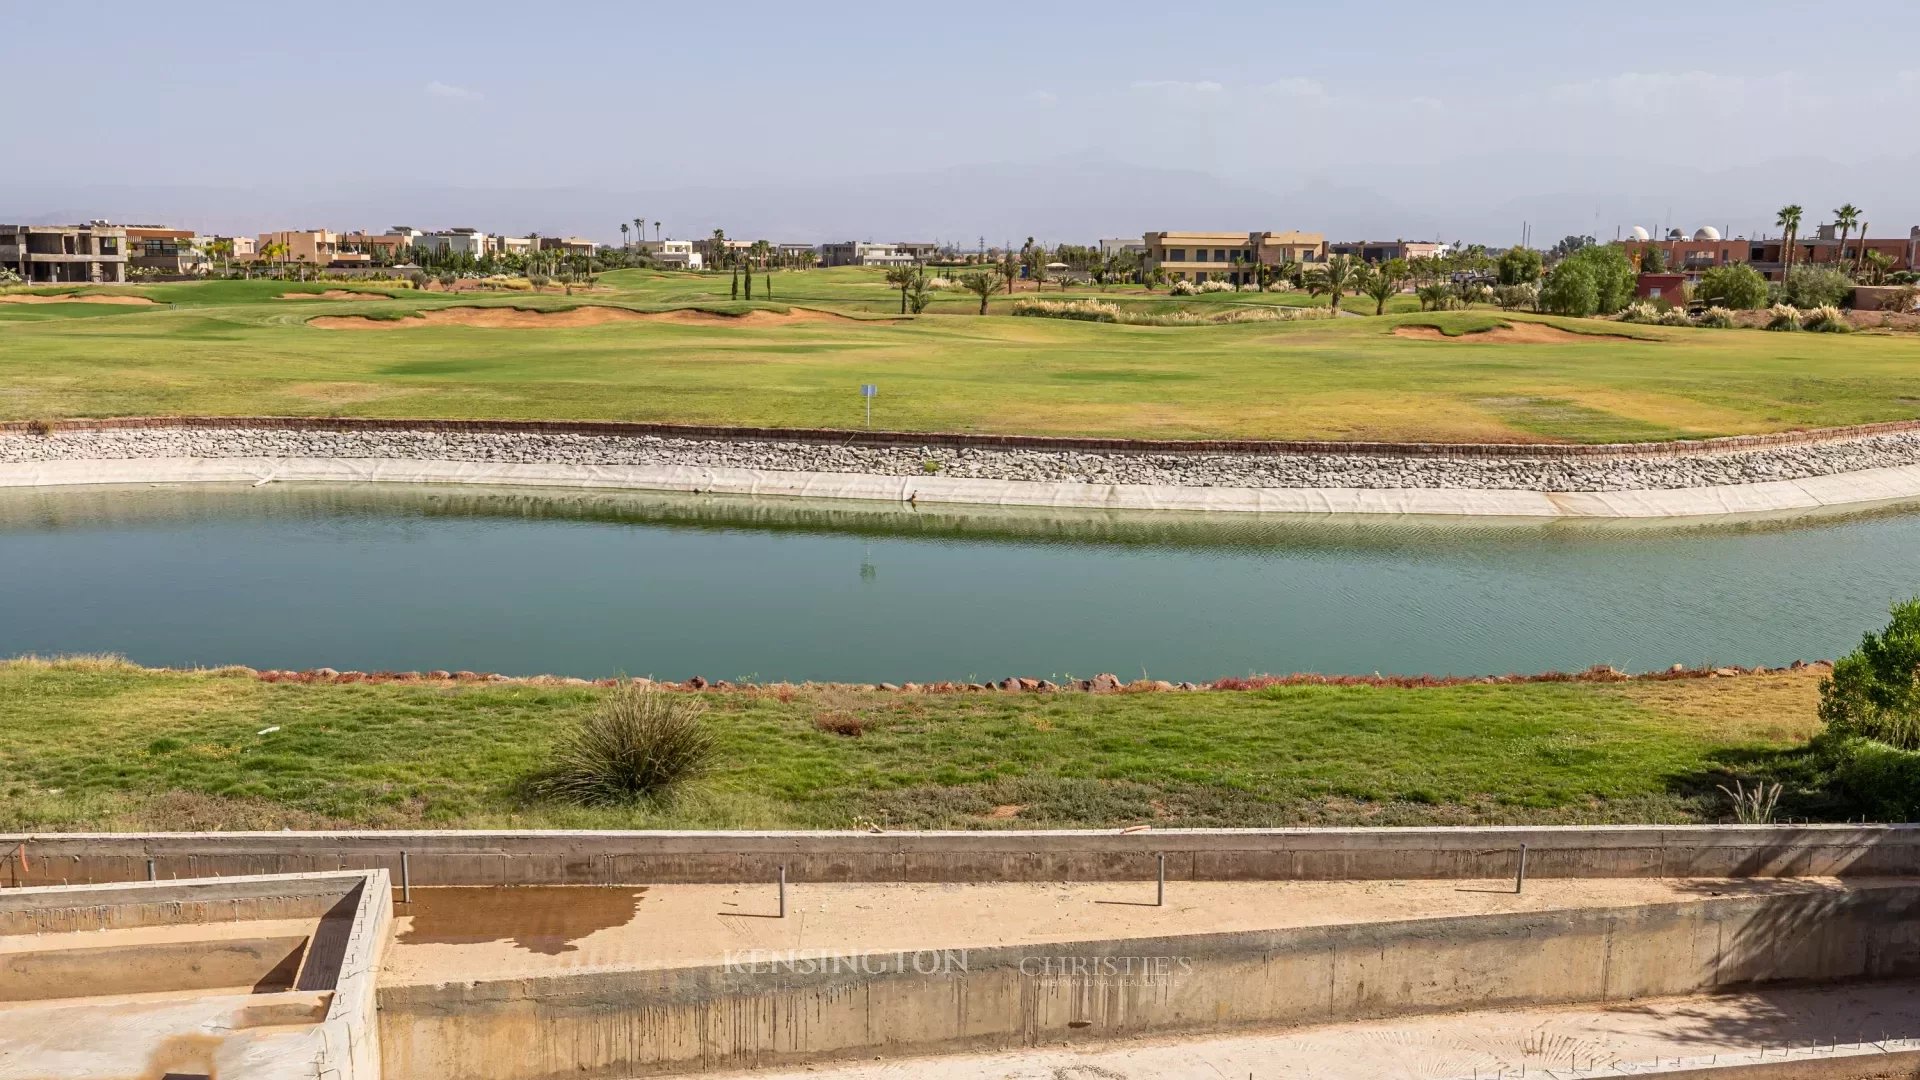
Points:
(509, 318)
(70, 298)
(1518, 333)
(334, 294)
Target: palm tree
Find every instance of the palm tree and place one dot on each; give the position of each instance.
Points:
(1789, 222)
(1382, 283)
(901, 277)
(1847, 217)
(719, 247)
(640, 226)
(982, 285)
(220, 250)
(624, 228)
(1335, 277)
(656, 230)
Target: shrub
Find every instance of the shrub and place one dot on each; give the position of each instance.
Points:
(1783, 317)
(42, 428)
(1083, 310)
(1828, 319)
(539, 281)
(1640, 312)
(1874, 691)
(1183, 287)
(1815, 286)
(418, 279)
(1216, 285)
(839, 723)
(1736, 285)
(1901, 300)
(1881, 781)
(1717, 318)
(1511, 297)
(9, 277)
(1519, 266)
(638, 744)
(1674, 316)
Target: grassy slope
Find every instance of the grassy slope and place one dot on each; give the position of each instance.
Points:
(231, 347)
(101, 744)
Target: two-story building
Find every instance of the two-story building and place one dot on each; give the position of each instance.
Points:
(94, 253)
(1229, 257)
(863, 253)
(678, 254)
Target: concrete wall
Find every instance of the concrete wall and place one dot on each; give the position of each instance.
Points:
(640, 1023)
(582, 858)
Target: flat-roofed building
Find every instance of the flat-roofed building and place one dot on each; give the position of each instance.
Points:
(678, 254)
(1226, 256)
(94, 253)
(303, 247)
(862, 253)
(163, 250)
(1379, 251)
(572, 245)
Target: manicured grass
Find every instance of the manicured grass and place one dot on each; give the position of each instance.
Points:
(233, 347)
(102, 744)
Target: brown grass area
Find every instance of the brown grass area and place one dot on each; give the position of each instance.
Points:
(1519, 333)
(1776, 707)
(72, 298)
(511, 318)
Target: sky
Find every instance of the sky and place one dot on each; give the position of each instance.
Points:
(961, 122)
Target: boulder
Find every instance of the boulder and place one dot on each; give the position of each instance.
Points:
(1104, 683)
(697, 683)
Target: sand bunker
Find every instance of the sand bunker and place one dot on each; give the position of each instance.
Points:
(334, 294)
(508, 318)
(70, 298)
(1519, 333)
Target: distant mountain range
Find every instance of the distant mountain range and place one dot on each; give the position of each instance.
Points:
(1075, 200)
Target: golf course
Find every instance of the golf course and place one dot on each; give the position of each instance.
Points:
(675, 347)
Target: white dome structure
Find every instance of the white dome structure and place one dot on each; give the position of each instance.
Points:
(1640, 233)
(1706, 232)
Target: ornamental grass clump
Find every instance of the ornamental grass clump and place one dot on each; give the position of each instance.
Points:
(1827, 319)
(1675, 317)
(1640, 312)
(1082, 310)
(1783, 317)
(640, 743)
(1216, 285)
(1715, 318)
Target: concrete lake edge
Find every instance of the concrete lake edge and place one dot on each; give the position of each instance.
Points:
(1714, 478)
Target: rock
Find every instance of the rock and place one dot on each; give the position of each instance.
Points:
(1188, 686)
(1029, 684)
(325, 673)
(696, 683)
(976, 687)
(438, 673)
(1010, 683)
(1797, 665)
(910, 688)
(1162, 684)
(1726, 672)
(1104, 683)
(1046, 687)
(464, 676)
(1677, 668)
(887, 686)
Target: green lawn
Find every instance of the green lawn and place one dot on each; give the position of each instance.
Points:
(235, 348)
(100, 744)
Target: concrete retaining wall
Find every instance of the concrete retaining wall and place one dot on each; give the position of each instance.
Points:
(1864, 487)
(584, 858)
(607, 1024)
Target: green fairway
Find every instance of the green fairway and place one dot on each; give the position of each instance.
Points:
(102, 744)
(235, 347)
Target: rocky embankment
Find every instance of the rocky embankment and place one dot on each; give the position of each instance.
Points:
(1262, 470)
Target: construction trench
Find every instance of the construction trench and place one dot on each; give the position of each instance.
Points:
(1572, 951)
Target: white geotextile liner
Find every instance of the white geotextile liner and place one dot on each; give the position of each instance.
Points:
(1872, 485)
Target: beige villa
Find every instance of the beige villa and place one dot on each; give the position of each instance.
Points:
(1230, 257)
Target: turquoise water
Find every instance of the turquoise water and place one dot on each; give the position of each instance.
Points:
(381, 578)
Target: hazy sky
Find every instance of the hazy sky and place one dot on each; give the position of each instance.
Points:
(1393, 118)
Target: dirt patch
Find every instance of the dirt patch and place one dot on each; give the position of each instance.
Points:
(510, 318)
(334, 294)
(1518, 333)
(71, 298)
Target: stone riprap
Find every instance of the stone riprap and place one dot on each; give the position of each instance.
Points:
(1203, 470)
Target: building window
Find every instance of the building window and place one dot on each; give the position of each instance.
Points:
(1176, 254)
(1219, 255)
